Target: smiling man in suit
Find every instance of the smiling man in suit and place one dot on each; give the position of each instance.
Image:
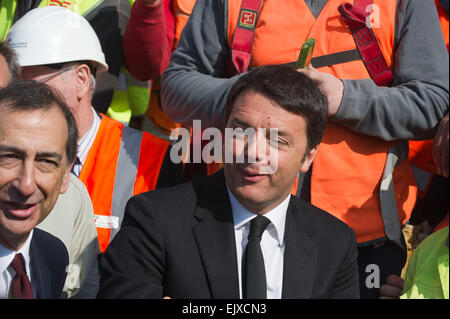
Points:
(38, 141)
(240, 233)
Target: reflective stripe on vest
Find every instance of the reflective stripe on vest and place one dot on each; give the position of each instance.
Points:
(122, 162)
(396, 154)
(348, 169)
(126, 169)
(82, 7)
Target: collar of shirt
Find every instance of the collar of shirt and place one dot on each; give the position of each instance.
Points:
(277, 216)
(85, 143)
(6, 255)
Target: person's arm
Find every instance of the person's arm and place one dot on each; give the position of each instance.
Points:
(148, 39)
(418, 99)
(346, 285)
(133, 265)
(194, 85)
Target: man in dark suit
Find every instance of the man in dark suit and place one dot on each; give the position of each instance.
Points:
(240, 233)
(38, 141)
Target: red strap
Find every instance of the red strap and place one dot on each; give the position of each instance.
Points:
(355, 17)
(244, 33)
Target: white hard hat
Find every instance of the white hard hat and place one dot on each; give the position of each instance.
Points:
(52, 35)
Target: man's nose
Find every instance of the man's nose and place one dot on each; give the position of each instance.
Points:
(25, 183)
(256, 148)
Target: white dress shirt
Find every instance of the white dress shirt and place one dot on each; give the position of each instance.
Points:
(272, 243)
(85, 144)
(7, 273)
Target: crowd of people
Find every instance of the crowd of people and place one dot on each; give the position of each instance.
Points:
(348, 199)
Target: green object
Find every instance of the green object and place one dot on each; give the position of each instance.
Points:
(427, 273)
(304, 58)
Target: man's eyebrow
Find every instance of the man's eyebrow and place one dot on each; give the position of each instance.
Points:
(16, 150)
(54, 155)
(12, 149)
(238, 122)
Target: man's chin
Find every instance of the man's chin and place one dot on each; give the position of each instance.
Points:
(15, 231)
(251, 197)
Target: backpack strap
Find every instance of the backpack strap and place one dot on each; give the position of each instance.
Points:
(244, 33)
(355, 17)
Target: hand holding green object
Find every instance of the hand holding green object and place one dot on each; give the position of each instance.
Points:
(304, 58)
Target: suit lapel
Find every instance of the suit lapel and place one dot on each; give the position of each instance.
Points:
(214, 235)
(300, 253)
(41, 277)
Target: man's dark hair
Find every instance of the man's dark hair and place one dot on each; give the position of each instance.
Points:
(291, 90)
(11, 61)
(29, 95)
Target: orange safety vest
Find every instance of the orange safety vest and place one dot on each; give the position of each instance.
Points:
(353, 175)
(122, 162)
(443, 18)
(421, 152)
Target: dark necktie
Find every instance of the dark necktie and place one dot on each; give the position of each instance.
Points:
(254, 274)
(20, 286)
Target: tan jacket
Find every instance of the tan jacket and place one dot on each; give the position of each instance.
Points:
(72, 221)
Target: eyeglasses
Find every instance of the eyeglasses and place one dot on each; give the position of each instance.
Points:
(49, 77)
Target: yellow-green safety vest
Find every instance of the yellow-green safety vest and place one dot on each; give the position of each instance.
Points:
(8, 9)
(131, 97)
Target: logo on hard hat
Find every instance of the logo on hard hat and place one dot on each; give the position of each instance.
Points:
(17, 45)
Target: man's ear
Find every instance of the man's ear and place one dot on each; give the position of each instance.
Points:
(309, 158)
(66, 180)
(83, 76)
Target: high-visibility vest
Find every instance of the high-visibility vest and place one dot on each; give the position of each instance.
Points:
(443, 19)
(182, 10)
(427, 275)
(421, 152)
(122, 162)
(131, 97)
(362, 180)
(8, 10)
